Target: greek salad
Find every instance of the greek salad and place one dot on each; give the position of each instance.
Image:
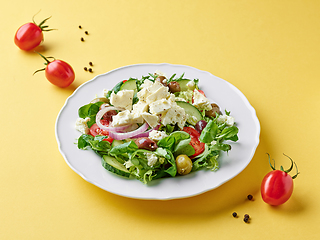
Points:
(155, 127)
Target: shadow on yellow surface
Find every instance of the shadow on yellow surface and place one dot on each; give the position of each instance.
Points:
(293, 206)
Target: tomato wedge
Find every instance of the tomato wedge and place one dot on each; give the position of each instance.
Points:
(195, 142)
(95, 130)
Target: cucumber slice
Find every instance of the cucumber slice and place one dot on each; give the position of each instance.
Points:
(116, 143)
(129, 85)
(112, 165)
(193, 112)
(183, 84)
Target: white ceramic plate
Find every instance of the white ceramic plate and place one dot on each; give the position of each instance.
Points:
(88, 165)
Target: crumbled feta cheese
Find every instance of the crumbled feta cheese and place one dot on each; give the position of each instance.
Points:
(213, 142)
(128, 164)
(152, 159)
(122, 99)
(82, 126)
(157, 135)
(147, 83)
(200, 101)
(152, 120)
(191, 85)
(122, 118)
(226, 119)
(192, 119)
(174, 115)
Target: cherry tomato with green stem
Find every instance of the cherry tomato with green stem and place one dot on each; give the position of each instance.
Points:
(30, 35)
(277, 185)
(58, 72)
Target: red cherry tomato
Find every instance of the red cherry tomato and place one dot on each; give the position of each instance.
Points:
(277, 185)
(30, 35)
(95, 130)
(195, 142)
(58, 72)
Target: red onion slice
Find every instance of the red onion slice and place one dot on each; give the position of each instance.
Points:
(146, 134)
(122, 136)
(109, 129)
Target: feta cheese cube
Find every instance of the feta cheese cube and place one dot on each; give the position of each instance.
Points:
(122, 118)
(200, 101)
(157, 135)
(137, 110)
(122, 99)
(143, 94)
(82, 126)
(152, 120)
(159, 106)
(160, 93)
(155, 86)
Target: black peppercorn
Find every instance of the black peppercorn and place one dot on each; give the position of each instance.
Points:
(82, 39)
(247, 216)
(246, 220)
(80, 26)
(85, 68)
(86, 32)
(234, 214)
(90, 69)
(90, 63)
(250, 197)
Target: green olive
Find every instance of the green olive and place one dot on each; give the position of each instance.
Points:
(163, 80)
(184, 164)
(100, 99)
(174, 86)
(215, 109)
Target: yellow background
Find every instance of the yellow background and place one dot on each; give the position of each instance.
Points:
(267, 49)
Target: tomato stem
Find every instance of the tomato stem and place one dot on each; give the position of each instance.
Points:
(296, 173)
(46, 63)
(43, 28)
(281, 167)
(274, 163)
(290, 166)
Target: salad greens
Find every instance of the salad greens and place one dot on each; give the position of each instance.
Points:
(145, 164)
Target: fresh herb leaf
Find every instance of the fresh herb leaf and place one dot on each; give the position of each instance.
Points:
(123, 151)
(96, 143)
(209, 133)
(229, 133)
(90, 110)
